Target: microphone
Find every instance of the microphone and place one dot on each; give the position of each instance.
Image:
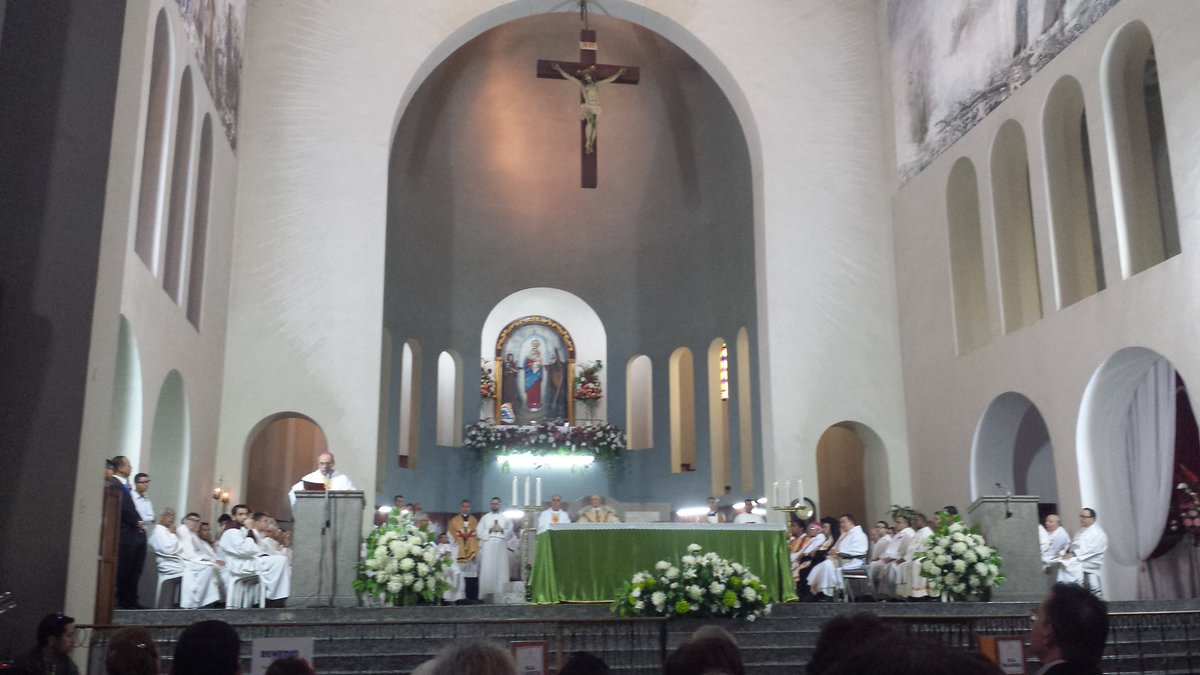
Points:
(1007, 497)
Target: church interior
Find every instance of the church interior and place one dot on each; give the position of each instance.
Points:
(238, 233)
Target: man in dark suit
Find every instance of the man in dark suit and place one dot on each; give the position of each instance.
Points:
(131, 551)
(1070, 628)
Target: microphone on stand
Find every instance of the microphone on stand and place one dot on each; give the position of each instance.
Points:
(1007, 500)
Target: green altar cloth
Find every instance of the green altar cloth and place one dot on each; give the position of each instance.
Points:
(589, 563)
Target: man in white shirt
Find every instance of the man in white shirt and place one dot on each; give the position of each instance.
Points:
(325, 474)
(1084, 557)
(553, 515)
(713, 516)
(1056, 540)
(748, 516)
(849, 553)
(145, 509)
(597, 512)
(245, 556)
(494, 531)
(165, 545)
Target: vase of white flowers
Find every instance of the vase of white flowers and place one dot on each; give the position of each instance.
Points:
(402, 565)
(958, 562)
(702, 585)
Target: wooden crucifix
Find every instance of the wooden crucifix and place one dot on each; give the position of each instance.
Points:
(589, 76)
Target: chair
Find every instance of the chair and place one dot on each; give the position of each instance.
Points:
(855, 584)
(245, 588)
(164, 577)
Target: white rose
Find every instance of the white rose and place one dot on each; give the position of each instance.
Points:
(970, 556)
(692, 548)
(749, 594)
(382, 576)
(960, 566)
(993, 570)
(981, 569)
(393, 565)
(672, 572)
(430, 555)
(958, 548)
(956, 527)
(406, 564)
(716, 588)
(641, 604)
(929, 567)
(737, 568)
(418, 585)
(958, 536)
(662, 565)
(658, 599)
(637, 593)
(983, 552)
(943, 542)
(942, 560)
(422, 569)
(695, 592)
(689, 560)
(407, 578)
(973, 582)
(394, 586)
(381, 551)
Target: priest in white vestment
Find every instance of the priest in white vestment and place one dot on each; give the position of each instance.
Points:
(850, 553)
(452, 573)
(554, 515)
(165, 545)
(883, 571)
(918, 586)
(597, 512)
(326, 474)
(1053, 539)
(1084, 557)
(748, 516)
(714, 516)
(494, 531)
(202, 570)
(245, 556)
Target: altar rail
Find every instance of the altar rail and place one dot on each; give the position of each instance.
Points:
(635, 646)
(1138, 642)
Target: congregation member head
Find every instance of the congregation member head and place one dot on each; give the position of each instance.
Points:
(1053, 522)
(1071, 626)
(293, 665)
(207, 648)
(843, 635)
(132, 651)
(584, 663)
(905, 655)
(475, 658)
(240, 513)
(55, 638)
(708, 655)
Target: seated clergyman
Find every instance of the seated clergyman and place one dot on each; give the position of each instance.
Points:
(597, 512)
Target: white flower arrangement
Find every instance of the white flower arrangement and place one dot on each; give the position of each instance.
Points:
(705, 585)
(402, 564)
(958, 562)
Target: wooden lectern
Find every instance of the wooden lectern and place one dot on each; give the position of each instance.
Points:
(1009, 523)
(325, 543)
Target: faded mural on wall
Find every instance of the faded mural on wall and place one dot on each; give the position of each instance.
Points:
(954, 62)
(216, 29)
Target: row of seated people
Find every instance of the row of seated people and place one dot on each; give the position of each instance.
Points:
(251, 549)
(823, 551)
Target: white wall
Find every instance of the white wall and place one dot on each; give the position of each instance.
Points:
(307, 281)
(1051, 360)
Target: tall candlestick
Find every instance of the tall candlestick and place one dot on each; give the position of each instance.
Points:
(799, 489)
(514, 499)
(538, 501)
(775, 493)
(526, 502)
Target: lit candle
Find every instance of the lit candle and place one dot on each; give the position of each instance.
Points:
(514, 499)
(775, 493)
(799, 489)
(526, 502)
(538, 500)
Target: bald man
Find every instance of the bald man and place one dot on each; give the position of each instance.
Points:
(325, 474)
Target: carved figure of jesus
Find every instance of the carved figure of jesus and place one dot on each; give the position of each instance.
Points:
(589, 109)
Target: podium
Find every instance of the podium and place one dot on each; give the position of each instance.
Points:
(323, 563)
(1009, 523)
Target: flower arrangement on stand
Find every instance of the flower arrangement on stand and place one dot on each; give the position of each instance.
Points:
(958, 562)
(605, 442)
(403, 564)
(487, 382)
(588, 389)
(704, 585)
(1185, 510)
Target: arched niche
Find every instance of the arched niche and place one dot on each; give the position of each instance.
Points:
(1074, 224)
(154, 147)
(125, 429)
(170, 445)
(204, 171)
(449, 399)
(1144, 194)
(409, 429)
(280, 448)
(1012, 451)
(851, 472)
(745, 410)
(639, 403)
(971, 317)
(718, 397)
(682, 377)
(1020, 293)
(174, 268)
(1126, 448)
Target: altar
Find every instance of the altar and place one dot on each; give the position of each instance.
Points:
(589, 563)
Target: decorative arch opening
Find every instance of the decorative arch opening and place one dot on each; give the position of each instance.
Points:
(971, 316)
(745, 411)
(280, 447)
(154, 147)
(1012, 451)
(170, 445)
(683, 410)
(718, 415)
(204, 169)
(125, 429)
(449, 399)
(1075, 227)
(409, 434)
(1137, 138)
(1136, 428)
(841, 472)
(181, 186)
(1020, 292)
(639, 403)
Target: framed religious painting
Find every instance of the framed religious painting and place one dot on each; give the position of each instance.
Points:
(535, 369)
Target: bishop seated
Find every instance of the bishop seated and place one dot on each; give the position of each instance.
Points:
(597, 512)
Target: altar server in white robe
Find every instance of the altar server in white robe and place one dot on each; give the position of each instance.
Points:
(1083, 559)
(165, 545)
(748, 516)
(553, 515)
(850, 553)
(325, 474)
(883, 570)
(917, 585)
(1054, 540)
(452, 573)
(202, 571)
(494, 532)
(245, 556)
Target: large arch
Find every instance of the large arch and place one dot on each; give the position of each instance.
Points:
(852, 472)
(1012, 451)
(279, 449)
(170, 445)
(125, 430)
